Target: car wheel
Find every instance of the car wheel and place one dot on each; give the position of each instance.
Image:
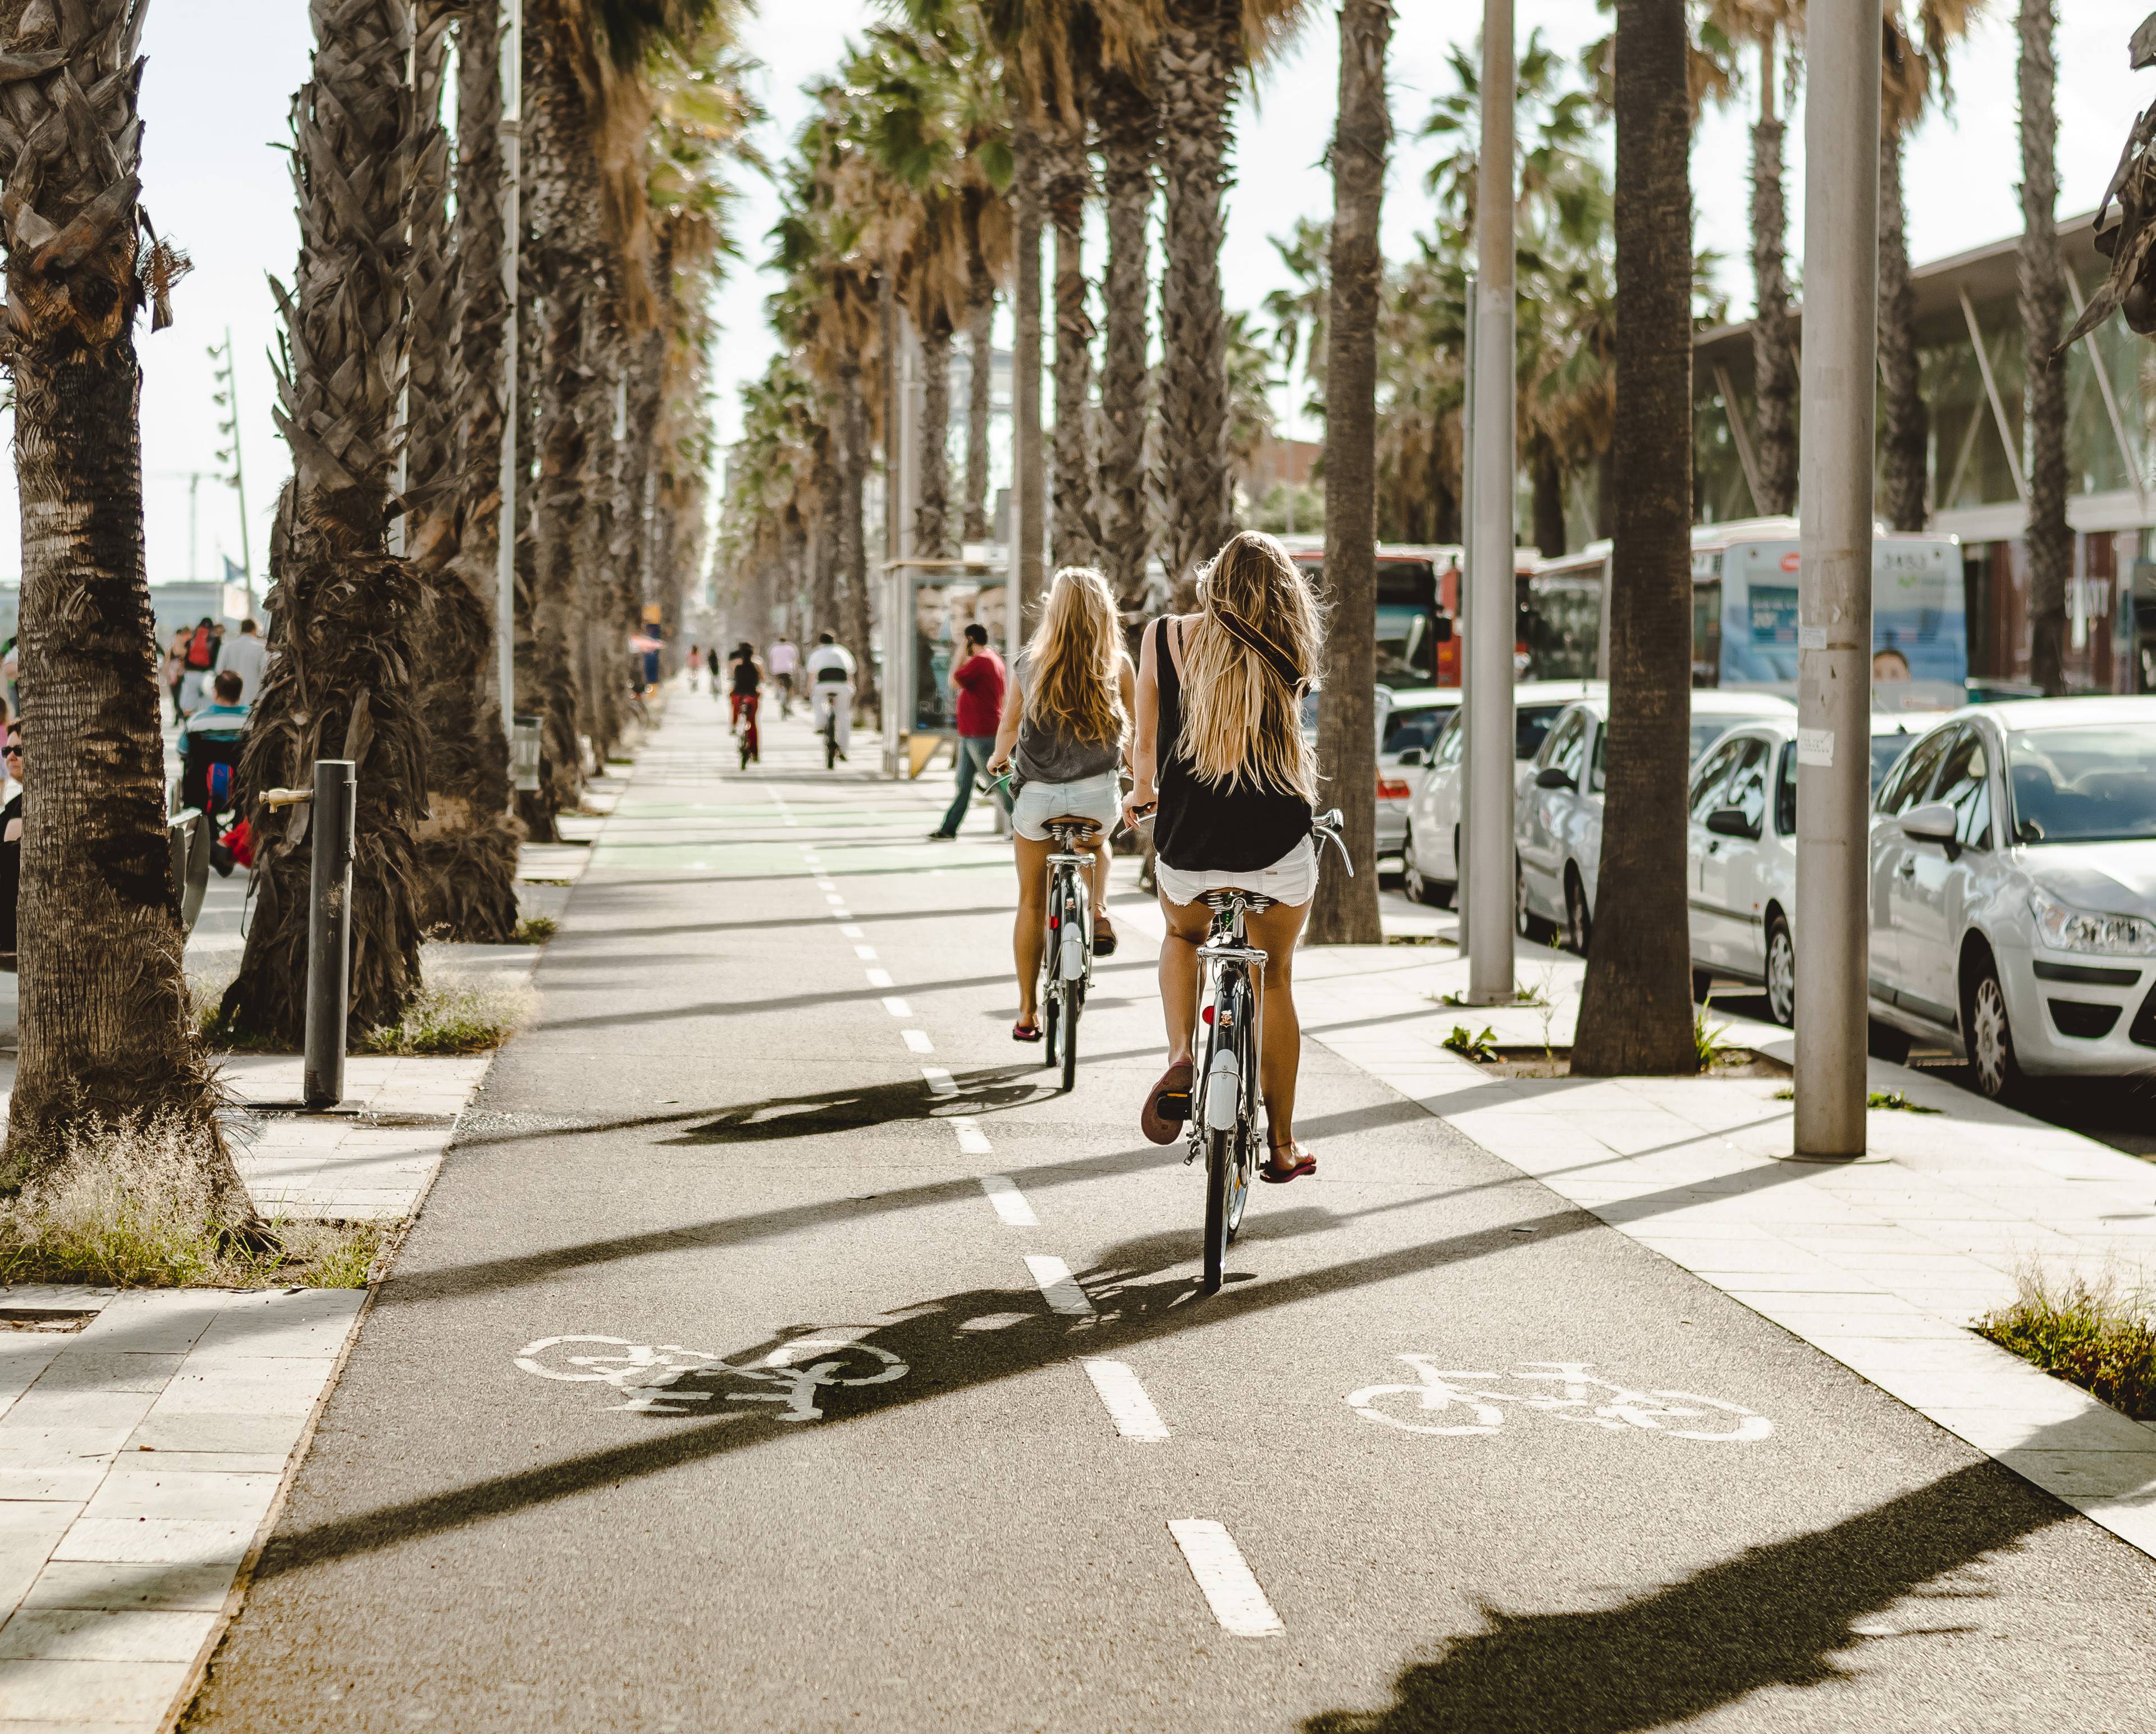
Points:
(1883, 1041)
(1523, 920)
(1781, 974)
(1422, 890)
(1990, 1035)
(1578, 924)
(1702, 984)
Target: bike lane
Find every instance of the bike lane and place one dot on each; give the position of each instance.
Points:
(781, 1125)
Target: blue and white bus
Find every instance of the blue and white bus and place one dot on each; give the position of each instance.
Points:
(1744, 613)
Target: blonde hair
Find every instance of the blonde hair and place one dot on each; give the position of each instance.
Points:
(1074, 660)
(1245, 666)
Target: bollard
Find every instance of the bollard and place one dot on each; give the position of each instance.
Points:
(329, 931)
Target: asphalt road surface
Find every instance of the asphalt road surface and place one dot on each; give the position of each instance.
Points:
(860, 1434)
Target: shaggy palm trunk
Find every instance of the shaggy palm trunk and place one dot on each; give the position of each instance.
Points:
(1199, 55)
(1904, 424)
(2043, 314)
(1546, 510)
(108, 1039)
(1072, 531)
(852, 542)
(1128, 129)
(1635, 1011)
(574, 411)
(467, 841)
(1774, 336)
(980, 380)
(826, 553)
(931, 519)
(636, 587)
(1346, 910)
(343, 610)
(1030, 486)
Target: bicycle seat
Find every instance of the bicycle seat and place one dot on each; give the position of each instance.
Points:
(1072, 823)
(1255, 903)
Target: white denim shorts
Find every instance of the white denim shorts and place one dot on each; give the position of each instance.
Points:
(1292, 880)
(1099, 798)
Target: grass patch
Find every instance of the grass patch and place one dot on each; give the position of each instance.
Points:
(1709, 1041)
(1892, 1100)
(536, 930)
(1419, 939)
(1520, 996)
(2095, 1335)
(454, 1014)
(1470, 1046)
(130, 1208)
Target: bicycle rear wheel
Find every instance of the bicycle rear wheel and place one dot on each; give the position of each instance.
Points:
(1219, 1204)
(1073, 995)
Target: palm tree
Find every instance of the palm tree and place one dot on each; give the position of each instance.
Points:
(1773, 331)
(108, 1040)
(2043, 316)
(343, 609)
(1128, 127)
(1635, 1012)
(1345, 912)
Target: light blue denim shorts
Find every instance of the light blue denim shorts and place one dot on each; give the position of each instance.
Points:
(1099, 798)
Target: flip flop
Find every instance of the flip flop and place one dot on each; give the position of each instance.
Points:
(1025, 1032)
(1104, 942)
(1303, 1164)
(1167, 1104)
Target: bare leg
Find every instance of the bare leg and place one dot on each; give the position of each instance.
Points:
(1027, 936)
(1274, 933)
(1186, 925)
(1102, 924)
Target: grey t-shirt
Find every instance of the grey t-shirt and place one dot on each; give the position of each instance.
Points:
(1050, 752)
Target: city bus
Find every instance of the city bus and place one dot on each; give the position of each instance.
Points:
(1744, 613)
(1418, 586)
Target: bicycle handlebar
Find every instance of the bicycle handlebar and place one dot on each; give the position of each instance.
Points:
(1327, 826)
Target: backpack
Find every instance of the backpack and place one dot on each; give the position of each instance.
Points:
(202, 650)
(220, 787)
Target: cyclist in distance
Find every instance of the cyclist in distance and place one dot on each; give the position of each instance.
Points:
(1065, 719)
(831, 687)
(1219, 750)
(745, 682)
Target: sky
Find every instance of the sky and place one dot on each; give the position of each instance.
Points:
(216, 179)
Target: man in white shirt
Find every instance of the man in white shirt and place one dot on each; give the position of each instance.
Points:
(831, 688)
(783, 660)
(244, 656)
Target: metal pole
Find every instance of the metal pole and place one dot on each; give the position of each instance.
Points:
(335, 811)
(512, 224)
(1834, 635)
(1488, 649)
(1460, 866)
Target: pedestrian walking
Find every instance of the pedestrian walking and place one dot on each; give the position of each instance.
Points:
(176, 671)
(1220, 758)
(784, 659)
(197, 663)
(978, 678)
(244, 656)
(1065, 730)
(696, 666)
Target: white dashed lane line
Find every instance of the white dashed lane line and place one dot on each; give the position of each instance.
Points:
(1126, 1401)
(918, 1039)
(1230, 1587)
(850, 933)
(880, 978)
(1002, 1191)
(1057, 1286)
(866, 954)
(973, 1142)
(939, 1082)
(898, 1008)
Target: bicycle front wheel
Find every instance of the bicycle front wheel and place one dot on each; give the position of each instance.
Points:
(1220, 1203)
(1073, 996)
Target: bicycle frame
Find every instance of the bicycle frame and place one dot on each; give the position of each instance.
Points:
(1226, 958)
(1067, 955)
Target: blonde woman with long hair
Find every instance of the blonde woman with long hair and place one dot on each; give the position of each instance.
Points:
(1065, 721)
(1219, 756)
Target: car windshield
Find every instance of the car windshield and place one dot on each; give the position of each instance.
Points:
(1706, 730)
(1418, 728)
(1534, 723)
(2088, 784)
(1886, 751)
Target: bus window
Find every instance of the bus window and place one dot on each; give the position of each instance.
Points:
(1707, 634)
(1406, 646)
(1560, 624)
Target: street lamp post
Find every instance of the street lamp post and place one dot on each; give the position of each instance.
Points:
(1486, 890)
(512, 227)
(1834, 634)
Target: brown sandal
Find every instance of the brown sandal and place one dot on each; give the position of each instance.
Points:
(1167, 1104)
(1270, 1169)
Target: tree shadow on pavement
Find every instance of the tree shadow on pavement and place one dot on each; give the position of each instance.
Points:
(987, 1090)
(1774, 1616)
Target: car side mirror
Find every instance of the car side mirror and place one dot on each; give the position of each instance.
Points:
(1413, 755)
(1931, 822)
(1442, 632)
(1731, 822)
(1554, 777)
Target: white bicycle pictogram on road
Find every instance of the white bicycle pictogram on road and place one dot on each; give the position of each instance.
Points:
(648, 1376)
(1583, 1397)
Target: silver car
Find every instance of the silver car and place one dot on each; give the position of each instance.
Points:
(1407, 736)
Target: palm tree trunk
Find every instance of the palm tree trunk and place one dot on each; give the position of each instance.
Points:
(108, 1038)
(343, 610)
(980, 380)
(852, 542)
(1774, 341)
(1199, 56)
(1128, 142)
(1071, 535)
(2043, 315)
(1905, 425)
(932, 521)
(1346, 910)
(1030, 486)
(1548, 480)
(828, 553)
(1635, 1012)
(467, 841)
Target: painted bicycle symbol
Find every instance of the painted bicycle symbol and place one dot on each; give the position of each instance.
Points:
(648, 1376)
(1443, 1403)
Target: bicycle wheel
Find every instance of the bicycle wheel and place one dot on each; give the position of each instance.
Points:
(1243, 1151)
(1073, 1001)
(1219, 1189)
(1071, 905)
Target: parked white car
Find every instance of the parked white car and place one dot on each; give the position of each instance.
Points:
(2014, 889)
(1558, 834)
(1407, 729)
(1742, 850)
(1430, 844)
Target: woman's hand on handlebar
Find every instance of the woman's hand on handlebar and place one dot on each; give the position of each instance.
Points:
(1140, 805)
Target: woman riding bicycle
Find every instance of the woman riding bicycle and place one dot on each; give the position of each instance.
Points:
(1066, 713)
(1220, 751)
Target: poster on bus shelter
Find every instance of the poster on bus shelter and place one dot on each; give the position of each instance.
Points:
(942, 609)
(1919, 636)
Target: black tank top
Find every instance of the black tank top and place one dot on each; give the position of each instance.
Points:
(747, 681)
(1202, 828)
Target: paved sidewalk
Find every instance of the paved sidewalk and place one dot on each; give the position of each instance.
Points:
(1883, 1265)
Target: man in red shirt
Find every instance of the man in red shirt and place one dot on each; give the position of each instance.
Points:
(978, 678)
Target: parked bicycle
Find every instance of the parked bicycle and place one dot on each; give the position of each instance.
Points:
(1223, 1105)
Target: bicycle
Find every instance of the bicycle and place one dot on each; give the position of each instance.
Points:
(1224, 1097)
(752, 742)
(1066, 963)
(829, 728)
